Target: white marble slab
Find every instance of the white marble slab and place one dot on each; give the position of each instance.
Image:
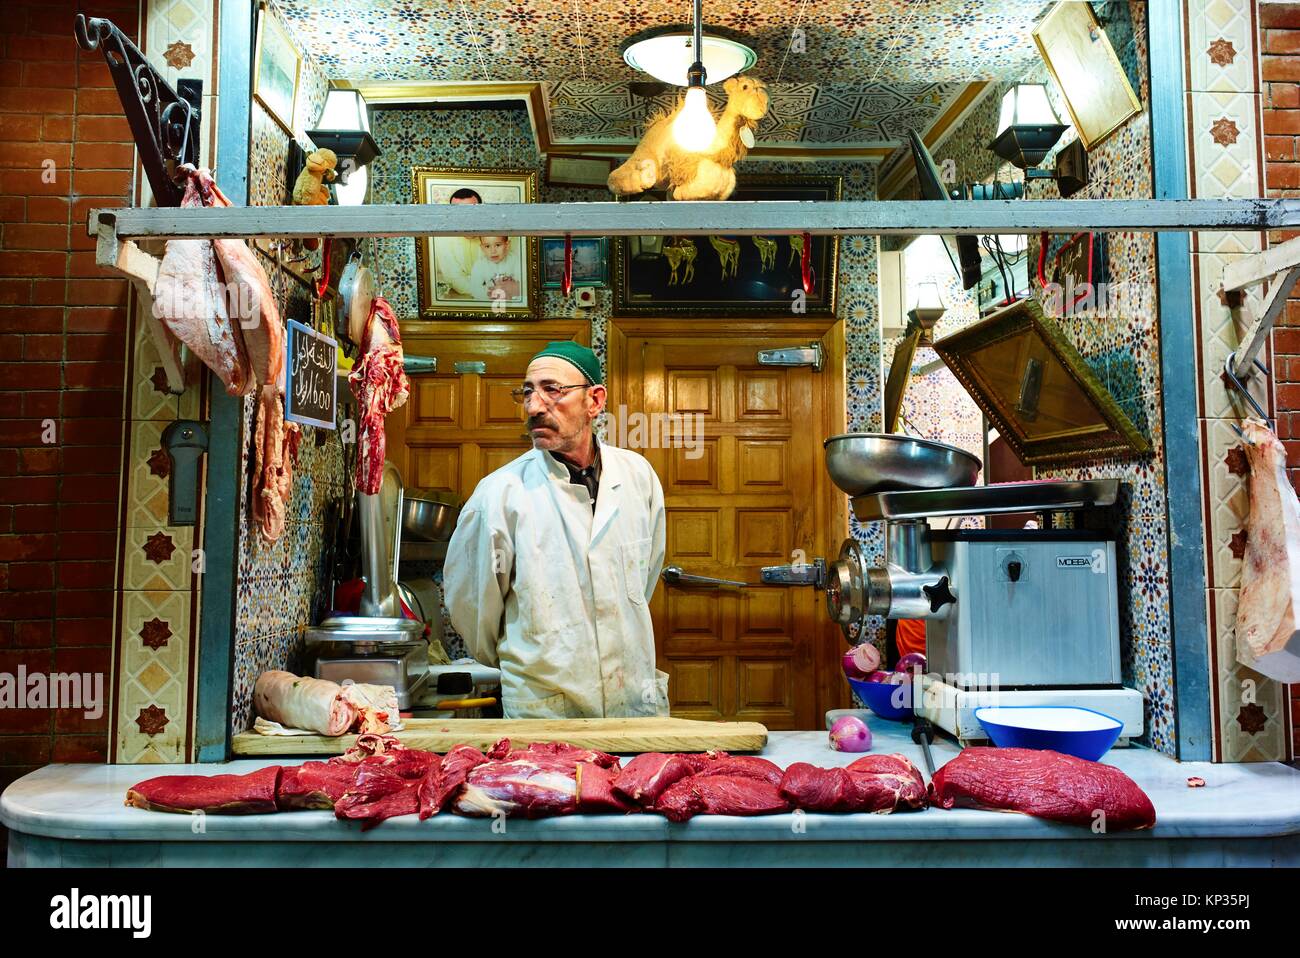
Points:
(1245, 801)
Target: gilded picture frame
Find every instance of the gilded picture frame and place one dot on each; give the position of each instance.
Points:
(687, 275)
(1038, 391)
(471, 277)
(275, 77)
(1074, 45)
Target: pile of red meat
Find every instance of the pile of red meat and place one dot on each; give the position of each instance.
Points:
(379, 778)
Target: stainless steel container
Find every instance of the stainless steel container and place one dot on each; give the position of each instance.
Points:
(862, 462)
(429, 515)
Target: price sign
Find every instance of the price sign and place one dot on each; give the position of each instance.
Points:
(311, 383)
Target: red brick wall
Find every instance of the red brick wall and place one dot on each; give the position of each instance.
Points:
(62, 352)
(1280, 73)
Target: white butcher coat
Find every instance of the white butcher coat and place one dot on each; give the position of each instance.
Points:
(556, 597)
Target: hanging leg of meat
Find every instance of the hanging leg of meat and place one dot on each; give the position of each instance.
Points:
(189, 299)
(250, 302)
(1268, 635)
(380, 385)
(275, 452)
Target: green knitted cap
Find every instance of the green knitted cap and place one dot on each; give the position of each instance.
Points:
(580, 357)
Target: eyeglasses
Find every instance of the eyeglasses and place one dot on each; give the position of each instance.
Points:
(551, 393)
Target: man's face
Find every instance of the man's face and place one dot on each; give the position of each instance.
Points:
(560, 427)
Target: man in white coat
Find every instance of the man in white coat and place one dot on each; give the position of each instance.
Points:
(555, 556)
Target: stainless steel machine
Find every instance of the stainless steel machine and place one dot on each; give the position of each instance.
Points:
(1013, 617)
(379, 646)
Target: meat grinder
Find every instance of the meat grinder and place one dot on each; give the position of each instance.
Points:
(1013, 616)
(379, 646)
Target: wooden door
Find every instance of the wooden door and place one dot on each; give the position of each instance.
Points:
(458, 426)
(751, 494)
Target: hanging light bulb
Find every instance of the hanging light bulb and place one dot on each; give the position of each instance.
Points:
(694, 128)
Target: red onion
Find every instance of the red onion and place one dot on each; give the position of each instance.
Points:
(860, 661)
(879, 676)
(912, 662)
(850, 734)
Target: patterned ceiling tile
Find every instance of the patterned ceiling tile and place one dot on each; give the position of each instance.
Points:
(895, 64)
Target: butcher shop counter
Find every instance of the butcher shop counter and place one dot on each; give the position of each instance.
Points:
(1244, 815)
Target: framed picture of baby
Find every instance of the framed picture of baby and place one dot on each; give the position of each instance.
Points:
(477, 277)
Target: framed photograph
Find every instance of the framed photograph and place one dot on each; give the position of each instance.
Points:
(590, 261)
(275, 70)
(731, 275)
(1089, 75)
(476, 277)
(587, 171)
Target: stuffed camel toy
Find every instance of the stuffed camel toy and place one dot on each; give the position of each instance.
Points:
(659, 163)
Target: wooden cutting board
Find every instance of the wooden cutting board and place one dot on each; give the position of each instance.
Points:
(620, 735)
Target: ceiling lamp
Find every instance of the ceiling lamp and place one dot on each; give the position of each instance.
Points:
(344, 127)
(667, 54)
(1028, 127)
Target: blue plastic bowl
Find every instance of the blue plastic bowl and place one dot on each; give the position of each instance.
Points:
(879, 697)
(1081, 732)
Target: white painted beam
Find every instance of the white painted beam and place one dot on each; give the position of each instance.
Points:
(735, 218)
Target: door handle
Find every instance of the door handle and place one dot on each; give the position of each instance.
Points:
(674, 575)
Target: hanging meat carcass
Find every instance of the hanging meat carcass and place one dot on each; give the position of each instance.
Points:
(190, 298)
(379, 383)
(250, 302)
(1268, 634)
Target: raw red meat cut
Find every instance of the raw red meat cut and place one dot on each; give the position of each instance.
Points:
(570, 753)
(646, 777)
(1268, 609)
(873, 783)
(443, 785)
(720, 795)
(315, 784)
(275, 454)
(251, 794)
(387, 785)
(1045, 784)
(746, 766)
(379, 383)
(523, 787)
(596, 792)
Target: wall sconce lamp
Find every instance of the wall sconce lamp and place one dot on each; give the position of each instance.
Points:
(344, 127)
(1028, 129)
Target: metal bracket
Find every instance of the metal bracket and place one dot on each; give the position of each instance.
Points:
(1280, 265)
(163, 123)
(806, 573)
(810, 355)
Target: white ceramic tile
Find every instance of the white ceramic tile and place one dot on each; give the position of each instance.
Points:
(1221, 333)
(1226, 167)
(1221, 45)
(1229, 504)
(1248, 731)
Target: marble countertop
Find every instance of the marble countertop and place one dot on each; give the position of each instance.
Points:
(1242, 800)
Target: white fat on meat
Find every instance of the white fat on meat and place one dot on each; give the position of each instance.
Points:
(1268, 637)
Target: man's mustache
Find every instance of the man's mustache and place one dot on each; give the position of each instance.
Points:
(536, 421)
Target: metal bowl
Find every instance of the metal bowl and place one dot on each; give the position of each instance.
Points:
(429, 515)
(861, 463)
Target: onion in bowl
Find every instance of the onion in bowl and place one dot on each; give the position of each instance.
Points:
(912, 662)
(850, 734)
(860, 661)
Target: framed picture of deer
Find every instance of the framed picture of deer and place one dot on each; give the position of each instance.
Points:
(731, 275)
